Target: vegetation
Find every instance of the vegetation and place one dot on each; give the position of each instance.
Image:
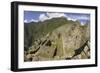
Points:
(33, 31)
(56, 39)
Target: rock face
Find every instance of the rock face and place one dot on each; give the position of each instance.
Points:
(70, 41)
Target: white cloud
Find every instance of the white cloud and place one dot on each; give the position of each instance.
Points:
(82, 24)
(25, 21)
(55, 15)
(43, 17)
(48, 16)
(28, 21)
(33, 20)
(69, 18)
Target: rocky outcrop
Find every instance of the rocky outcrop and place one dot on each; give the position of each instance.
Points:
(70, 41)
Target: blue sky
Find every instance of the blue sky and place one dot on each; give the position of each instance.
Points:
(29, 15)
(36, 16)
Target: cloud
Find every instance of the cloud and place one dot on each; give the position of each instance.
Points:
(82, 23)
(43, 17)
(49, 15)
(55, 15)
(33, 20)
(69, 18)
(25, 21)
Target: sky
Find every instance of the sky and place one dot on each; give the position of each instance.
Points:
(36, 16)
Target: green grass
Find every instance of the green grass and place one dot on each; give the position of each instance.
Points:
(33, 31)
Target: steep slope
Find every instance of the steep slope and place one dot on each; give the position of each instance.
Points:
(33, 30)
(68, 41)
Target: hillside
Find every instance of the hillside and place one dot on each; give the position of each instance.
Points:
(56, 39)
(33, 31)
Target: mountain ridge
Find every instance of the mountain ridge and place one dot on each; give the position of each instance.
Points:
(58, 39)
